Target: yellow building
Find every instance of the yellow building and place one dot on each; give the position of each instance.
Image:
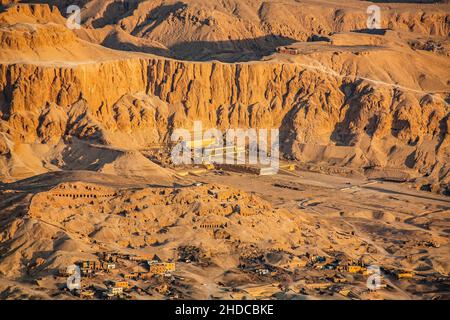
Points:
(131, 275)
(162, 268)
(87, 294)
(405, 275)
(356, 269)
(121, 284)
(116, 291)
(92, 265)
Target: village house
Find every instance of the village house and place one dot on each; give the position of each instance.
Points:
(109, 266)
(132, 275)
(87, 294)
(114, 292)
(161, 268)
(356, 269)
(108, 257)
(404, 275)
(92, 265)
(121, 284)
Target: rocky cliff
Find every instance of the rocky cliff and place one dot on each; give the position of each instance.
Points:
(333, 111)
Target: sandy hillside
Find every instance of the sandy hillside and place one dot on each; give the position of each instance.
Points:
(220, 235)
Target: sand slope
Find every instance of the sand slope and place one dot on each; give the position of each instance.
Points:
(134, 164)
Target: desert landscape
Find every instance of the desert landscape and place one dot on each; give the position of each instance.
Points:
(90, 195)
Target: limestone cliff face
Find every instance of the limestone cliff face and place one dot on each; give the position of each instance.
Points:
(308, 106)
(199, 87)
(327, 112)
(239, 95)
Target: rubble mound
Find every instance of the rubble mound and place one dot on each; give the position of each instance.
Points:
(134, 164)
